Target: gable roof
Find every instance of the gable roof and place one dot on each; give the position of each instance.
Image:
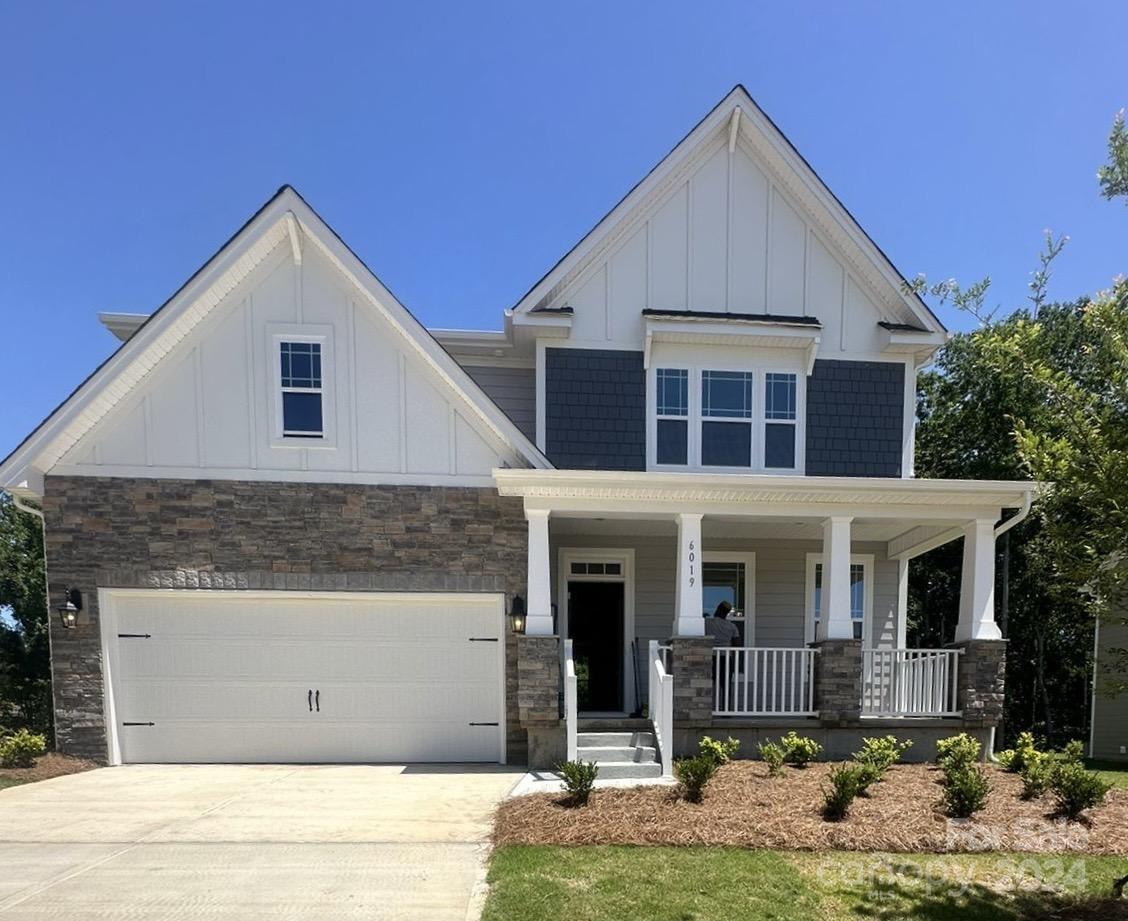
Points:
(739, 113)
(278, 219)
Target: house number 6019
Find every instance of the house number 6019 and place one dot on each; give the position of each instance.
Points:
(692, 571)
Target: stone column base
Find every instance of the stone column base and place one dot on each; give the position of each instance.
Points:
(538, 680)
(691, 664)
(982, 682)
(838, 681)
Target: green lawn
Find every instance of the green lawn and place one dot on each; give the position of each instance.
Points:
(1115, 772)
(725, 884)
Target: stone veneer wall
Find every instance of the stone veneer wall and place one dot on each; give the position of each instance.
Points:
(838, 681)
(981, 691)
(153, 533)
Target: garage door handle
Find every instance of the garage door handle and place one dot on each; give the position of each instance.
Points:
(317, 699)
(309, 698)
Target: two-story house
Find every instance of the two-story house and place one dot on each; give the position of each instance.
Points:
(285, 522)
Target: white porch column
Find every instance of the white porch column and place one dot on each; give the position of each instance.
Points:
(977, 583)
(538, 611)
(834, 616)
(688, 599)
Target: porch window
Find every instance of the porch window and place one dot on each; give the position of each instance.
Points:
(779, 420)
(731, 577)
(861, 600)
(301, 383)
(726, 423)
(672, 400)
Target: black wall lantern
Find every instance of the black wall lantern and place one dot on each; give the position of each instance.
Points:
(68, 610)
(517, 614)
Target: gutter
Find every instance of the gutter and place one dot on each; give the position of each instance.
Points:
(30, 509)
(1015, 519)
(1093, 685)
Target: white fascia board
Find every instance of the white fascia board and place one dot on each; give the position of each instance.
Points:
(729, 332)
(919, 344)
(122, 325)
(867, 496)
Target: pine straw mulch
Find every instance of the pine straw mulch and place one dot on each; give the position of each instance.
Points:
(47, 766)
(744, 807)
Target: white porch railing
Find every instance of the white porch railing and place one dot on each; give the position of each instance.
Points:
(909, 682)
(662, 706)
(571, 710)
(762, 681)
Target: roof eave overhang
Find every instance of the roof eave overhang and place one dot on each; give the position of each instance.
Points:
(804, 337)
(763, 495)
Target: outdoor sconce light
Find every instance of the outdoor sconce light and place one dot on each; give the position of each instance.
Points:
(517, 614)
(68, 610)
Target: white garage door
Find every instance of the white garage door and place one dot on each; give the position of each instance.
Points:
(205, 676)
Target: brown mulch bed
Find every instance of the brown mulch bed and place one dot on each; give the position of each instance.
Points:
(744, 807)
(50, 765)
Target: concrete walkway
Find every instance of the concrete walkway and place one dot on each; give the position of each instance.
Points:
(249, 842)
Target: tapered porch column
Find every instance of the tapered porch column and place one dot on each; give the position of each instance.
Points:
(977, 583)
(688, 598)
(834, 620)
(538, 616)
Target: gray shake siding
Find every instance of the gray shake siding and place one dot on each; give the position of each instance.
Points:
(514, 390)
(855, 418)
(595, 409)
(780, 585)
(1110, 711)
(156, 533)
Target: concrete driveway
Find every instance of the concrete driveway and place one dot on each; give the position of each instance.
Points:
(249, 842)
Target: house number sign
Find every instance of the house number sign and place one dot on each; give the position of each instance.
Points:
(691, 555)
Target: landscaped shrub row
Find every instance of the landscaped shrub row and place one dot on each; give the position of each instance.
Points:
(1075, 789)
(852, 780)
(20, 749)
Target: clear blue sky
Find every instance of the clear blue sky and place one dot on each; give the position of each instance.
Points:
(461, 148)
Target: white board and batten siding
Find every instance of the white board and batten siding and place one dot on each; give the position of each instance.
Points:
(209, 408)
(303, 677)
(727, 237)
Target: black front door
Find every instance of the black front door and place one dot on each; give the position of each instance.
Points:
(595, 626)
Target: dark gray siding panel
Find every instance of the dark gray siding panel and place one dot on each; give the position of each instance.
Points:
(514, 390)
(595, 409)
(855, 418)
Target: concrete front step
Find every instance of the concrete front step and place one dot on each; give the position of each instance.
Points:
(614, 739)
(612, 724)
(628, 770)
(639, 755)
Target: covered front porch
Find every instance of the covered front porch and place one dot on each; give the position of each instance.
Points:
(626, 567)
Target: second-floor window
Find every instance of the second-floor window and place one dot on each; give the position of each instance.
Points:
(723, 419)
(302, 410)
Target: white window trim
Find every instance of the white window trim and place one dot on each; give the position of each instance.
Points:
(758, 421)
(323, 336)
(866, 560)
(749, 561)
(626, 557)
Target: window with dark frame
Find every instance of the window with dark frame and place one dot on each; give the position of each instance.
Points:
(301, 381)
(672, 402)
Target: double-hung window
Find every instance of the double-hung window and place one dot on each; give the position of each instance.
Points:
(726, 418)
(302, 407)
(672, 401)
(780, 420)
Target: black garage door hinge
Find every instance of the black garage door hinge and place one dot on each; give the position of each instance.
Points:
(137, 636)
(139, 724)
(481, 724)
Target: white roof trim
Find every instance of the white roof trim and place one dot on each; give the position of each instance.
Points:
(756, 129)
(157, 336)
(763, 494)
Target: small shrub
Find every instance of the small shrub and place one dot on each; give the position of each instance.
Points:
(579, 780)
(1037, 775)
(694, 775)
(773, 756)
(1077, 789)
(21, 748)
(720, 752)
(845, 784)
(1025, 752)
(957, 751)
(800, 750)
(965, 790)
(879, 755)
(1074, 752)
(868, 774)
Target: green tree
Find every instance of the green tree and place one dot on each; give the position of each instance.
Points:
(1113, 176)
(25, 664)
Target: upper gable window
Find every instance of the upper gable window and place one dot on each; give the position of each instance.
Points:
(302, 408)
(736, 420)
